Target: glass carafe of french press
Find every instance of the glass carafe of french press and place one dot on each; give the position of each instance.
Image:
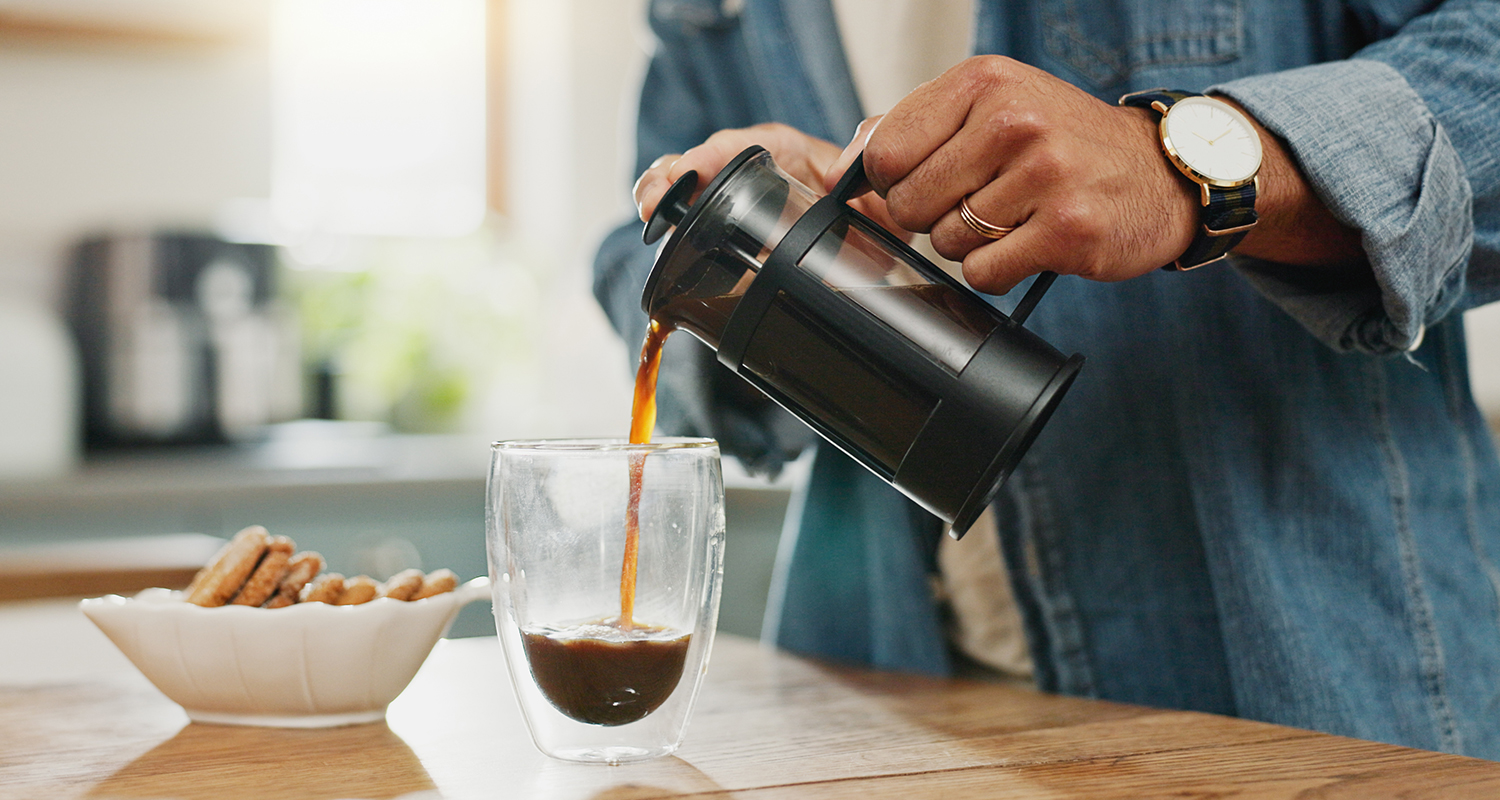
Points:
(876, 348)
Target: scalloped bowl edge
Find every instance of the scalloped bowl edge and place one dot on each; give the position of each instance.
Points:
(307, 665)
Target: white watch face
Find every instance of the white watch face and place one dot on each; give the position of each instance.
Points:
(1213, 140)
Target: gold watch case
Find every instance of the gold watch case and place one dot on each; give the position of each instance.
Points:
(1209, 120)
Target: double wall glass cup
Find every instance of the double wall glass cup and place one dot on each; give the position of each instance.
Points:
(606, 560)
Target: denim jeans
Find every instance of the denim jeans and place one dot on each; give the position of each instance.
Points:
(1269, 493)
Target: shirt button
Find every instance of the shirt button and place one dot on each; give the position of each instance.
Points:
(1417, 340)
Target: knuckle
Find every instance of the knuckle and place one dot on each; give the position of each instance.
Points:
(1087, 266)
(904, 214)
(773, 128)
(989, 69)
(983, 76)
(1081, 232)
(1021, 124)
(1046, 166)
(718, 138)
(1080, 222)
(879, 157)
(982, 275)
(947, 244)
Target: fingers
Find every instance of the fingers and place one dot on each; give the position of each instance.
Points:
(1004, 202)
(997, 266)
(974, 97)
(916, 128)
(952, 136)
(1066, 238)
(993, 264)
(1045, 234)
(706, 159)
(652, 184)
(803, 157)
(1083, 183)
(963, 165)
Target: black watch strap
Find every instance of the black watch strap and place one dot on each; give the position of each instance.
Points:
(1227, 215)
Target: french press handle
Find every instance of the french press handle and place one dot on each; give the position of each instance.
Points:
(855, 182)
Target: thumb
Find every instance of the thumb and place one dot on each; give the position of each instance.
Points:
(854, 148)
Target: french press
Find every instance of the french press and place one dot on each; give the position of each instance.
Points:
(877, 349)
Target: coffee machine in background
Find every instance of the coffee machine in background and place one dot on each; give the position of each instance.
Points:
(181, 339)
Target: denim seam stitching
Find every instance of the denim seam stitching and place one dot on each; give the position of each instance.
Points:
(1419, 613)
(1066, 25)
(1115, 61)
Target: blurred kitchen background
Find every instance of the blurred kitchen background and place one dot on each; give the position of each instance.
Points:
(296, 262)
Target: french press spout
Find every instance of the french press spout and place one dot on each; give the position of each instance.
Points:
(876, 348)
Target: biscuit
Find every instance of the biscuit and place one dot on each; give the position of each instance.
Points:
(359, 589)
(437, 582)
(300, 570)
(402, 585)
(326, 589)
(216, 583)
(267, 576)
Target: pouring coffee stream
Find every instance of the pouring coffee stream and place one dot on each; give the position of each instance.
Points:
(642, 423)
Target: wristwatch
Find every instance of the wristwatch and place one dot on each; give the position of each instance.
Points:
(1216, 147)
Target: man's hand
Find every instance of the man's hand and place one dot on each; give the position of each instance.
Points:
(804, 157)
(1084, 183)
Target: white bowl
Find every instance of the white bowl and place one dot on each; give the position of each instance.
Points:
(310, 665)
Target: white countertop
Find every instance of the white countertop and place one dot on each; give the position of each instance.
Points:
(49, 642)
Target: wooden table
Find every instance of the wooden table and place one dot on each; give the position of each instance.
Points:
(767, 725)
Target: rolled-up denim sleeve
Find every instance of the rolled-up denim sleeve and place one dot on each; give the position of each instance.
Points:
(1402, 143)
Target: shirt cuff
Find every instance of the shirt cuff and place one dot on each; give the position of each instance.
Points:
(1372, 151)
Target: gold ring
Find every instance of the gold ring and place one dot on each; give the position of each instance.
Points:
(979, 226)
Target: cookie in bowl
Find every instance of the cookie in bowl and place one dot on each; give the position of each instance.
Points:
(261, 637)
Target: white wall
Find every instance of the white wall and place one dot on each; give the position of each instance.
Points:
(99, 132)
(574, 71)
(1483, 328)
(96, 134)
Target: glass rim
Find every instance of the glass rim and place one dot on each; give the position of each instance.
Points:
(605, 445)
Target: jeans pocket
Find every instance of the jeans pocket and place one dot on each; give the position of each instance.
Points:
(1108, 44)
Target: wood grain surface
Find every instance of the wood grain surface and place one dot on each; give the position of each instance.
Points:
(767, 726)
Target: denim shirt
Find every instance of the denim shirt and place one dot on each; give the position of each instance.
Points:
(1268, 494)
